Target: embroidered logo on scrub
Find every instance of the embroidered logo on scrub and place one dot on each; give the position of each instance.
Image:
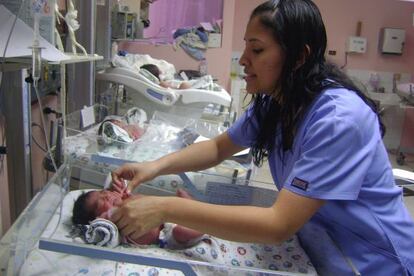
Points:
(300, 184)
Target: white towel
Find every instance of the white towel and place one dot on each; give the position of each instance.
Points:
(102, 232)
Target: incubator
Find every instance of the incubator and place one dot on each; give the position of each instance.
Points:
(159, 135)
(146, 90)
(39, 243)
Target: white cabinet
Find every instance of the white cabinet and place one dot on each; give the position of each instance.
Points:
(392, 41)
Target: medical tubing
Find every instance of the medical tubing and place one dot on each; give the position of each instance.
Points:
(36, 72)
(35, 85)
(36, 62)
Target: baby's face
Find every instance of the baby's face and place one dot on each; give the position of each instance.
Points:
(134, 131)
(102, 201)
(118, 123)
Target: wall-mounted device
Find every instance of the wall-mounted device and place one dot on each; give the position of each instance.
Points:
(356, 44)
(392, 41)
(123, 25)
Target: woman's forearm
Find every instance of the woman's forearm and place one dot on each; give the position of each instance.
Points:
(195, 157)
(243, 223)
(237, 223)
(198, 156)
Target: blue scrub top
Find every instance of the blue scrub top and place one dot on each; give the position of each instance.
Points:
(338, 156)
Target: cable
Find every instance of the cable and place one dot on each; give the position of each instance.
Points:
(37, 144)
(36, 62)
(35, 84)
(36, 72)
(346, 60)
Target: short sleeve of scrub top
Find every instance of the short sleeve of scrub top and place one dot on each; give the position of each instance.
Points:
(334, 147)
(244, 130)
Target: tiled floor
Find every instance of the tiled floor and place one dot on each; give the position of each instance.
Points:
(264, 178)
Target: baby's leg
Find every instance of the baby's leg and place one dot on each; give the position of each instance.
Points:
(183, 193)
(184, 235)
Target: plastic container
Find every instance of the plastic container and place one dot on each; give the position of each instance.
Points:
(203, 67)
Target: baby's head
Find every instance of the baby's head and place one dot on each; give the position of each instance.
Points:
(153, 69)
(94, 204)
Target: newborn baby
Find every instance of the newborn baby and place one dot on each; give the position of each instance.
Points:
(156, 72)
(125, 129)
(94, 204)
(118, 130)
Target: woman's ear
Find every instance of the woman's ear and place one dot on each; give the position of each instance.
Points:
(304, 55)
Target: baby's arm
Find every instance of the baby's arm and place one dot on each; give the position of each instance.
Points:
(182, 85)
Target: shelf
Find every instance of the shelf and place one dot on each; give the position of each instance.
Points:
(72, 58)
(7, 67)
(77, 58)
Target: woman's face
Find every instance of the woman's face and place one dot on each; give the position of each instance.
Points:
(262, 59)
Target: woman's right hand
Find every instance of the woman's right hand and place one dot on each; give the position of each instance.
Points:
(136, 173)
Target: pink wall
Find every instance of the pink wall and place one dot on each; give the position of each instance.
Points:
(61, 4)
(218, 58)
(243, 8)
(407, 141)
(341, 19)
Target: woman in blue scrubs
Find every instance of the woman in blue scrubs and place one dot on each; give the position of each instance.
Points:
(323, 141)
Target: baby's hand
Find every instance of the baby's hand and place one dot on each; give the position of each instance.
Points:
(117, 187)
(104, 215)
(120, 188)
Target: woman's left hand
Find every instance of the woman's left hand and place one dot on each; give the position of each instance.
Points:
(138, 215)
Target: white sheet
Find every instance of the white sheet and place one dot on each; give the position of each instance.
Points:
(135, 61)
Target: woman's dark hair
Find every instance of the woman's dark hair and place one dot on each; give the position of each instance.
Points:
(153, 69)
(81, 214)
(297, 26)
